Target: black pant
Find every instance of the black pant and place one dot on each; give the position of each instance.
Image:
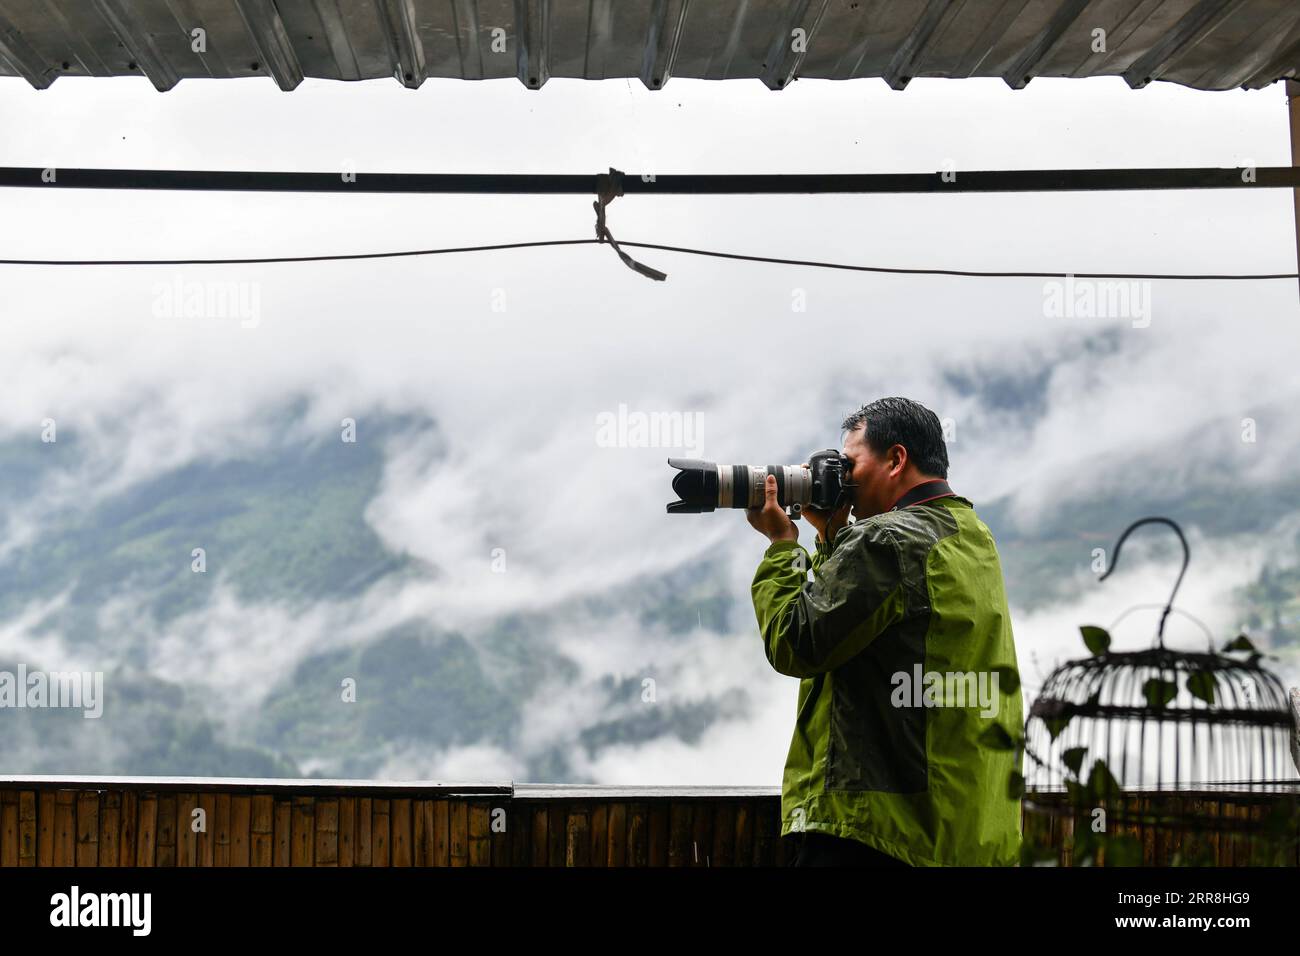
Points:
(822, 849)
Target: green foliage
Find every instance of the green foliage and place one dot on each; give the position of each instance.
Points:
(1193, 853)
(413, 686)
(1016, 785)
(1056, 723)
(287, 524)
(995, 737)
(1159, 692)
(1200, 684)
(1033, 854)
(1110, 849)
(1073, 758)
(637, 723)
(148, 727)
(1008, 679)
(1102, 784)
(1097, 639)
(1239, 643)
(1243, 645)
(1271, 604)
(696, 596)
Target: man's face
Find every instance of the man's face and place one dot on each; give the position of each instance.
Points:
(876, 485)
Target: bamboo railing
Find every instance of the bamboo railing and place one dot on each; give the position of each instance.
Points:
(232, 822)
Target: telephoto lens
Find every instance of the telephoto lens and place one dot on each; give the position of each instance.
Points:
(705, 486)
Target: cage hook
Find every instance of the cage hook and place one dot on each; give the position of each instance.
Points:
(1187, 556)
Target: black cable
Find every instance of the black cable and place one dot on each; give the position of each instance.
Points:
(961, 272)
(333, 258)
(812, 263)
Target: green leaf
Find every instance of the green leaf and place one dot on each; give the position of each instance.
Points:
(1101, 783)
(1016, 785)
(1008, 679)
(1198, 855)
(1240, 643)
(1159, 692)
(1281, 820)
(996, 737)
(1200, 684)
(1056, 724)
(1031, 855)
(1073, 758)
(1086, 843)
(1097, 639)
(1123, 850)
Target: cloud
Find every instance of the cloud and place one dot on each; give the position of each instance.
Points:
(477, 763)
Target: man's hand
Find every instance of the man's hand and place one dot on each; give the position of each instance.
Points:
(828, 523)
(771, 519)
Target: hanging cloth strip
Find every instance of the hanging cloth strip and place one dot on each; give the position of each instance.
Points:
(607, 188)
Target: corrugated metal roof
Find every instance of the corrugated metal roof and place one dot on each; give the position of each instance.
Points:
(1206, 44)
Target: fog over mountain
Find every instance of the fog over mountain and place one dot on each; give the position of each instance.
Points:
(502, 584)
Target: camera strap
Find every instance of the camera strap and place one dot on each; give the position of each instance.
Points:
(925, 491)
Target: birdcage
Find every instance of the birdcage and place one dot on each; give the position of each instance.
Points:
(1150, 732)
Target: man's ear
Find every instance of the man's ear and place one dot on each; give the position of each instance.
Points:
(897, 460)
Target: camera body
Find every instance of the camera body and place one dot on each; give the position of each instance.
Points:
(831, 479)
(704, 486)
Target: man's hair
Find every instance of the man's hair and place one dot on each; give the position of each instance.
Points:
(901, 421)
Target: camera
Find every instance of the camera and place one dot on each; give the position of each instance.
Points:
(703, 485)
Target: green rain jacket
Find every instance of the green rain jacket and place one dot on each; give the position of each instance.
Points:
(904, 622)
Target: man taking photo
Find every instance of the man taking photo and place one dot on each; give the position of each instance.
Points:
(903, 643)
